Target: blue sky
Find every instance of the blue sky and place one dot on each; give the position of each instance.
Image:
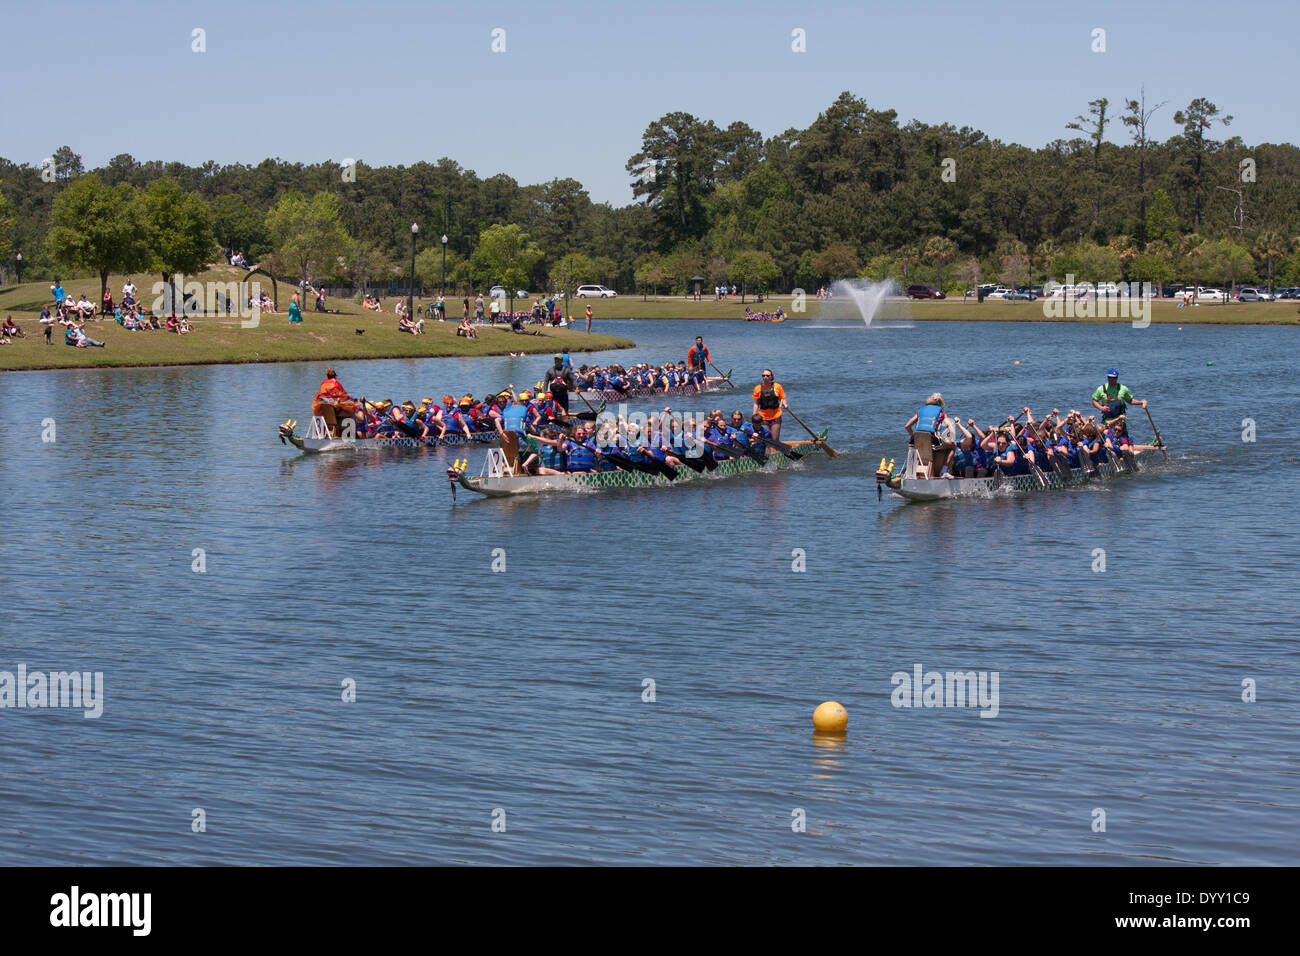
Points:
(394, 83)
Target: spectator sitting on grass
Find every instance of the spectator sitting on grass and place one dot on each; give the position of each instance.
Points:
(85, 308)
(11, 329)
(81, 340)
(184, 327)
(466, 329)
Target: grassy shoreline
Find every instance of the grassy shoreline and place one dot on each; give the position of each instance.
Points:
(941, 310)
(223, 341)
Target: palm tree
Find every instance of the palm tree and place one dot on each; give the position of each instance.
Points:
(941, 249)
(1270, 247)
(905, 259)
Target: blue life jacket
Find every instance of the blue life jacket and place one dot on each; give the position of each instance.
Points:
(580, 456)
(927, 418)
(960, 460)
(553, 458)
(717, 438)
(514, 417)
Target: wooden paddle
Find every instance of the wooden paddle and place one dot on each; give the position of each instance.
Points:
(651, 467)
(1059, 464)
(594, 413)
(818, 439)
(1085, 459)
(1160, 443)
(782, 447)
(726, 378)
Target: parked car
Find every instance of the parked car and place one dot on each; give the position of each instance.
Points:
(1253, 295)
(1025, 296)
(1210, 295)
(924, 292)
(595, 292)
(998, 292)
(497, 292)
(1288, 293)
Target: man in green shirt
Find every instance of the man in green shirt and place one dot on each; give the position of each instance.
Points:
(1110, 398)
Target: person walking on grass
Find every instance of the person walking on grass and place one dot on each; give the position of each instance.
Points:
(588, 320)
(295, 314)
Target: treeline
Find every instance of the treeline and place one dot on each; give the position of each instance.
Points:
(855, 193)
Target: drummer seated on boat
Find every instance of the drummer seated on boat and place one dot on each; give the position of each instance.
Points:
(331, 401)
(922, 429)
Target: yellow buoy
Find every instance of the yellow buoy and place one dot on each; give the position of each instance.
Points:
(1017, 361)
(831, 717)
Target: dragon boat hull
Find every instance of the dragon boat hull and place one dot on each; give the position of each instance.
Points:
(318, 440)
(940, 489)
(497, 482)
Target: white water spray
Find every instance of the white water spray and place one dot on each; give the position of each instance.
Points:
(867, 296)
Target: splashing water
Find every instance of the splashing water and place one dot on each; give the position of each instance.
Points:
(867, 296)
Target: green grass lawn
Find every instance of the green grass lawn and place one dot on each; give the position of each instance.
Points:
(223, 340)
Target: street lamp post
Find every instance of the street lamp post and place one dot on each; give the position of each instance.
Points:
(410, 292)
(442, 287)
(20, 268)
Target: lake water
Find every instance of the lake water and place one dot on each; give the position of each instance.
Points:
(519, 697)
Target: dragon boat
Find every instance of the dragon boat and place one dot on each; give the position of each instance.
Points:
(319, 439)
(613, 395)
(498, 478)
(912, 484)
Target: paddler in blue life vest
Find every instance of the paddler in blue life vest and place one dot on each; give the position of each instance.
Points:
(923, 428)
(1110, 397)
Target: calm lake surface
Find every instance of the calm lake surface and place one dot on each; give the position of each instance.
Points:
(518, 696)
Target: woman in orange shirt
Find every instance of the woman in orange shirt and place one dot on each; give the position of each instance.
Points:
(769, 399)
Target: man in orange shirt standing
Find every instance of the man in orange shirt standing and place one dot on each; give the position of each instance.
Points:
(769, 399)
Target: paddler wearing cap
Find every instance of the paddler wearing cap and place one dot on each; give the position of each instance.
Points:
(428, 418)
(454, 417)
(769, 399)
(559, 379)
(1110, 397)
